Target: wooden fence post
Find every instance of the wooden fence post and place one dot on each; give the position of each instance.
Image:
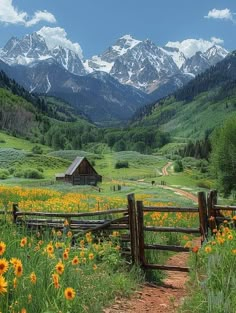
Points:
(211, 212)
(202, 205)
(133, 228)
(141, 233)
(14, 210)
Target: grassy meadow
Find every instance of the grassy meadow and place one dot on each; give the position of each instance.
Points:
(40, 271)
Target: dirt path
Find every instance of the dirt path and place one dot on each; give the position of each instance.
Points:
(182, 192)
(164, 169)
(168, 297)
(157, 299)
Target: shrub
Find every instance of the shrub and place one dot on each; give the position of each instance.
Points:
(178, 166)
(18, 173)
(33, 173)
(4, 174)
(204, 184)
(11, 170)
(37, 150)
(40, 169)
(121, 164)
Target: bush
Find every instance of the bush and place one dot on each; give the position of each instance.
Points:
(40, 169)
(121, 164)
(33, 173)
(204, 184)
(178, 166)
(18, 173)
(37, 150)
(11, 170)
(4, 174)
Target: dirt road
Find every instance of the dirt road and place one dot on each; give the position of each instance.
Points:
(164, 169)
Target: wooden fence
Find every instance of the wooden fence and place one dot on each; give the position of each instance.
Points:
(130, 222)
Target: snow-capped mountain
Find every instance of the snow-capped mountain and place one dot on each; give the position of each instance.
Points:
(25, 51)
(201, 61)
(69, 60)
(146, 66)
(141, 64)
(32, 49)
(98, 95)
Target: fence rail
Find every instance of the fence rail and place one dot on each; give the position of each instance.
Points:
(130, 222)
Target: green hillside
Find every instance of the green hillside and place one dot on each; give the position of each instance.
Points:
(199, 107)
(192, 119)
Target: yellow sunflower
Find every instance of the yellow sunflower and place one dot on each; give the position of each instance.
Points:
(33, 278)
(18, 269)
(2, 247)
(55, 279)
(69, 293)
(60, 267)
(75, 260)
(3, 285)
(3, 266)
(23, 242)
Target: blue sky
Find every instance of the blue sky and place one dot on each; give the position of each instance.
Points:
(96, 24)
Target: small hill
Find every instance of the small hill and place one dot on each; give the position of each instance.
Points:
(199, 107)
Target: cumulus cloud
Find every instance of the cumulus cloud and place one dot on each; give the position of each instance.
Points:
(190, 46)
(224, 14)
(57, 36)
(11, 15)
(217, 41)
(41, 16)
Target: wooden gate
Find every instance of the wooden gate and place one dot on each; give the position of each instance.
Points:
(138, 229)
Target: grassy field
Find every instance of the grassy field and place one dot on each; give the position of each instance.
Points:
(7, 141)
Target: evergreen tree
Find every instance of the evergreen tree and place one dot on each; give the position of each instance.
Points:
(224, 155)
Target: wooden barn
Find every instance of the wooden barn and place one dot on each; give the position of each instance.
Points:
(80, 172)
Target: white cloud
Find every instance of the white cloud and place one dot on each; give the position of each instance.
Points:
(225, 14)
(217, 41)
(190, 46)
(57, 36)
(41, 16)
(11, 15)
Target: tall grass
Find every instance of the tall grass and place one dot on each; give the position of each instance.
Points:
(214, 275)
(43, 273)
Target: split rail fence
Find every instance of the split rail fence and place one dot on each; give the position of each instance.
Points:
(130, 222)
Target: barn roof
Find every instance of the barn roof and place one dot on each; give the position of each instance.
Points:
(60, 175)
(74, 165)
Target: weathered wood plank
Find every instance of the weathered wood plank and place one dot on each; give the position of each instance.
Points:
(203, 218)
(166, 268)
(133, 228)
(68, 215)
(166, 248)
(225, 208)
(170, 209)
(141, 232)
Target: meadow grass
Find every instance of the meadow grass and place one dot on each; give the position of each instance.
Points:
(8, 141)
(41, 272)
(213, 276)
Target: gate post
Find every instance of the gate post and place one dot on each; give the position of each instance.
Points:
(141, 233)
(202, 205)
(211, 212)
(133, 226)
(14, 210)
